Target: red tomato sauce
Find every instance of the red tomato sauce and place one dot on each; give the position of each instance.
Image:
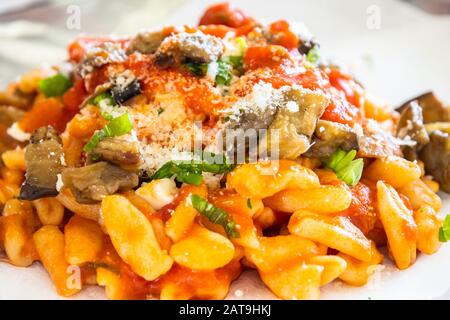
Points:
(199, 94)
(362, 210)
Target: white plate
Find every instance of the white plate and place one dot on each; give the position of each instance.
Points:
(406, 56)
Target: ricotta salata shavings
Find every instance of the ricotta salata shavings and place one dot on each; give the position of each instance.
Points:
(15, 132)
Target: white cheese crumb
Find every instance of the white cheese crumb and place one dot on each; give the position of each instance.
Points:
(213, 69)
(262, 97)
(59, 182)
(292, 106)
(212, 180)
(15, 132)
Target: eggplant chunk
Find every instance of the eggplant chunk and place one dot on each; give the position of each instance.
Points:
(296, 121)
(306, 46)
(100, 55)
(410, 127)
(433, 109)
(330, 136)
(90, 184)
(146, 42)
(125, 86)
(290, 120)
(436, 158)
(374, 142)
(119, 151)
(44, 161)
(181, 47)
(441, 126)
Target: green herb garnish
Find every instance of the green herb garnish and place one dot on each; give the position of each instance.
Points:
(191, 171)
(116, 127)
(444, 231)
(313, 55)
(55, 86)
(249, 203)
(198, 69)
(224, 72)
(160, 110)
(103, 96)
(215, 215)
(346, 168)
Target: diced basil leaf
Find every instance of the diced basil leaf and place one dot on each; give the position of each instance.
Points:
(54, 86)
(444, 230)
(215, 215)
(116, 127)
(191, 171)
(346, 168)
(352, 173)
(224, 73)
(198, 69)
(103, 96)
(313, 55)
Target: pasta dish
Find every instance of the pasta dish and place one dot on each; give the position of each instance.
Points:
(164, 164)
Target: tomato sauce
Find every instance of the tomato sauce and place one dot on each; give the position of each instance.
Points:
(199, 94)
(363, 208)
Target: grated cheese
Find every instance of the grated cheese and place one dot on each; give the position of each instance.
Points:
(15, 132)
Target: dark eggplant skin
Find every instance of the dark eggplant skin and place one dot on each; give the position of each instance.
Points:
(433, 110)
(305, 46)
(91, 183)
(330, 136)
(123, 94)
(436, 158)
(118, 151)
(410, 126)
(32, 192)
(183, 47)
(43, 157)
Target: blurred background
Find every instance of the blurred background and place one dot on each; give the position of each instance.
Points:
(397, 48)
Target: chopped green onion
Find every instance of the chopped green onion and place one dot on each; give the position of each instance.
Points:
(182, 173)
(249, 203)
(346, 168)
(116, 127)
(160, 110)
(313, 55)
(191, 171)
(444, 231)
(54, 86)
(215, 215)
(103, 96)
(198, 69)
(235, 61)
(224, 72)
(242, 44)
